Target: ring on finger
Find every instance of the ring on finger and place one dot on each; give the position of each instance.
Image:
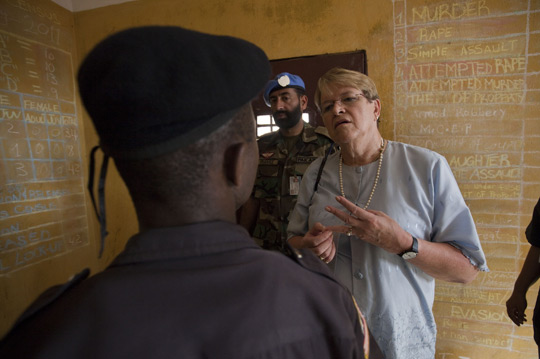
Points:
(349, 232)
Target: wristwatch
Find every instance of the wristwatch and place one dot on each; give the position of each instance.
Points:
(411, 253)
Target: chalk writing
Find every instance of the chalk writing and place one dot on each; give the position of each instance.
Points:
(467, 84)
(460, 69)
(475, 338)
(498, 280)
(452, 11)
(23, 239)
(483, 160)
(35, 10)
(448, 323)
(454, 144)
(479, 314)
(470, 295)
(491, 190)
(464, 83)
(498, 235)
(437, 33)
(463, 97)
(20, 258)
(479, 112)
(431, 52)
(483, 174)
(42, 209)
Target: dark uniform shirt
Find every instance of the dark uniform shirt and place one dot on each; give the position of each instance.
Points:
(198, 291)
(278, 181)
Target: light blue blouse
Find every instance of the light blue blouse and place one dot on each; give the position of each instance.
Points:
(418, 190)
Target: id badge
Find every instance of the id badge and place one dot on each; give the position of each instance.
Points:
(294, 185)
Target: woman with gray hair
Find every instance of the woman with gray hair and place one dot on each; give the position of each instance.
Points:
(387, 217)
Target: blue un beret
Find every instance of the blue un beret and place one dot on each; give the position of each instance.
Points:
(154, 89)
(283, 80)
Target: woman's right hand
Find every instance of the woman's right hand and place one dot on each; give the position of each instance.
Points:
(319, 240)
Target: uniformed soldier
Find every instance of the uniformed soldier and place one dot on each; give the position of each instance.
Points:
(284, 156)
(172, 108)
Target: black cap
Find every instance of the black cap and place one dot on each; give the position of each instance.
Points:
(154, 89)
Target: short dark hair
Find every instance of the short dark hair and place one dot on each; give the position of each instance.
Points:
(300, 92)
(182, 173)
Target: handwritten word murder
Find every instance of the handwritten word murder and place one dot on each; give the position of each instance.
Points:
(452, 11)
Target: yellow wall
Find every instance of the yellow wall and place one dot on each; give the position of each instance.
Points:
(471, 319)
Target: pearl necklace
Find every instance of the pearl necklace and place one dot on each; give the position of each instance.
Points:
(376, 176)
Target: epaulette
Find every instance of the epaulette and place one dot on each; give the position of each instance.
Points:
(292, 253)
(309, 261)
(321, 130)
(52, 294)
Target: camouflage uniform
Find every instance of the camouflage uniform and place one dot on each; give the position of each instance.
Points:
(277, 170)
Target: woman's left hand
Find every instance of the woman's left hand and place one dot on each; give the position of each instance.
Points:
(371, 226)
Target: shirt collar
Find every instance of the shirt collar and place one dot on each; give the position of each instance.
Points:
(192, 240)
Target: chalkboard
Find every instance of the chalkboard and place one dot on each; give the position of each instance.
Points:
(43, 213)
(466, 86)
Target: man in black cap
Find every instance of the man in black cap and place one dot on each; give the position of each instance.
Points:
(172, 108)
(284, 156)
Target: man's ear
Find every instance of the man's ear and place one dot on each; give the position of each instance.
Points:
(303, 102)
(233, 166)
